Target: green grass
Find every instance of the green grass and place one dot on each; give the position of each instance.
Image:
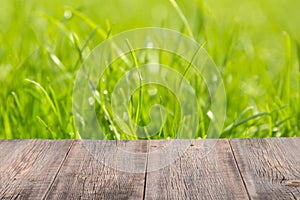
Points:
(255, 44)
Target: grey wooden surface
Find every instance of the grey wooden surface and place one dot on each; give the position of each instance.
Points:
(232, 169)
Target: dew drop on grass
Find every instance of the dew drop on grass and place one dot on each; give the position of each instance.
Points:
(96, 95)
(67, 14)
(210, 115)
(91, 100)
(105, 92)
(278, 134)
(154, 68)
(275, 129)
(150, 45)
(125, 116)
(80, 119)
(152, 91)
(215, 78)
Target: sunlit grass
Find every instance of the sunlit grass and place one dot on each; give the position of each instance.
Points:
(255, 45)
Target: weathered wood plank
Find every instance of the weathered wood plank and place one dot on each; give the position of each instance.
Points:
(28, 167)
(83, 177)
(34, 169)
(192, 176)
(270, 167)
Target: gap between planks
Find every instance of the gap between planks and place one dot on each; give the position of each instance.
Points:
(278, 156)
(146, 173)
(211, 175)
(238, 167)
(58, 170)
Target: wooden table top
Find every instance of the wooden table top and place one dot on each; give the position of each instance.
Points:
(233, 169)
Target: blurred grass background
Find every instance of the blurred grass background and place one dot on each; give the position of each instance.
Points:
(255, 44)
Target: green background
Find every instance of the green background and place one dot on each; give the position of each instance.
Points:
(255, 44)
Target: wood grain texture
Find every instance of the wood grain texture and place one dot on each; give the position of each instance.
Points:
(83, 177)
(233, 169)
(270, 167)
(192, 176)
(28, 167)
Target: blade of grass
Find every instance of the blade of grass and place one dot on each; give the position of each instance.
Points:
(240, 121)
(48, 98)
(182, 17)
(100, 31)
(287, 97)
(88, 21)
(136, 65)
(97, 98)
(229, 46)
(77, 45)
(57, 61)
(80, 50)
(52, 95)
(288, 58)
(270, 120)
(298, 97)
(18, 105)
(43, 123)
(202, 125)
(7, 127)
(58, 24)
(71, 36)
